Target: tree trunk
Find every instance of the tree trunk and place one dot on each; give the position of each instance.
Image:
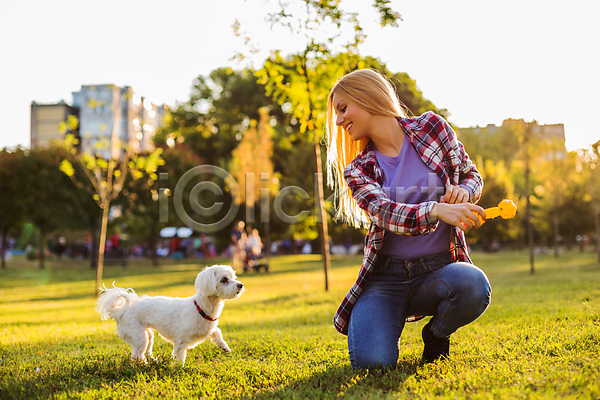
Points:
(3, 251)
(319, 193)
(94, 250)
(321, 214)
(556, 232)
(597, 223)
(102, 246)
(527, 194)
(152, 239)
(41, 255)
(268, 239)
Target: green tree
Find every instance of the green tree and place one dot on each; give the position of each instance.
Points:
(50, 200)
(253, 156)
(305, 79)
(555, 176)
(141, 196)
(226, 101)
(252, 167)
(540, 171)
(492, 142)
(105, 177)
(589, 164)
(499, 185)
(303, 82)
(220, 108)
(214, 122)
(12, 207)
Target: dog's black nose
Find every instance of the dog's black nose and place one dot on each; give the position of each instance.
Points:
(240, 286)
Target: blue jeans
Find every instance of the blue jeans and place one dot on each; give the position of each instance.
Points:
(455, 293)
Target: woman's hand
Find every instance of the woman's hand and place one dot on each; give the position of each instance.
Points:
(463, 216)
(455, 195)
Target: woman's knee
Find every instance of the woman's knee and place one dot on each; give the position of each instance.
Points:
(373, 359)
(473, 284)
(378, 348)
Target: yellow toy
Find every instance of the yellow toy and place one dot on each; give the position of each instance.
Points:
(506, 209)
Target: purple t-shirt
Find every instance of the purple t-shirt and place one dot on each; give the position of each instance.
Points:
(407, 179)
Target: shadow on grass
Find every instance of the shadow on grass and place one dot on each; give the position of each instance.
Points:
(55, 369)
(120, 378)
(79, 375)
(338, 381)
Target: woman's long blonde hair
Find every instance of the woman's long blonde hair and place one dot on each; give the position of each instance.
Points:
(374, 93)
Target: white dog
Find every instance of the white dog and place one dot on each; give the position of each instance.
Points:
(185, 322)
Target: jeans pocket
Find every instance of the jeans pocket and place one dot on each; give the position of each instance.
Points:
(434, 265)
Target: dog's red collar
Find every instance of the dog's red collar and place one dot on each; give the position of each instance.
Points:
(203, 313)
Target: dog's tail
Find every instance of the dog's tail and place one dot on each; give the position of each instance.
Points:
(114, 301)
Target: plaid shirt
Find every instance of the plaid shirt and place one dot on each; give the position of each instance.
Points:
(436, 143)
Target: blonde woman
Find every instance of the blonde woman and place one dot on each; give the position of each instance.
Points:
(410, 181)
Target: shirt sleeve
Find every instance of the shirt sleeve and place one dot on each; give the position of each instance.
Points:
(468, 175)
(468, 190)
(400, 218)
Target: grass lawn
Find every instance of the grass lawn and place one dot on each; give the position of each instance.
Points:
(540, 338)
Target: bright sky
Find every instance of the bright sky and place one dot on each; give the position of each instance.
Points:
(483, 61)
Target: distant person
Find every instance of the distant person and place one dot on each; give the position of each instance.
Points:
(307, 248)
(61, 247)
(208, 247)
(198, 253)
(254, 243)
(115, 244)
(416, 261)
(237, 246)
(347, 246)
(8, 250)
(175, 247)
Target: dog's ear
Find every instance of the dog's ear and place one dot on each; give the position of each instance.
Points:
(206, 282)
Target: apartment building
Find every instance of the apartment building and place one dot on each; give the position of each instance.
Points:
(45, 121)
(109, 118)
